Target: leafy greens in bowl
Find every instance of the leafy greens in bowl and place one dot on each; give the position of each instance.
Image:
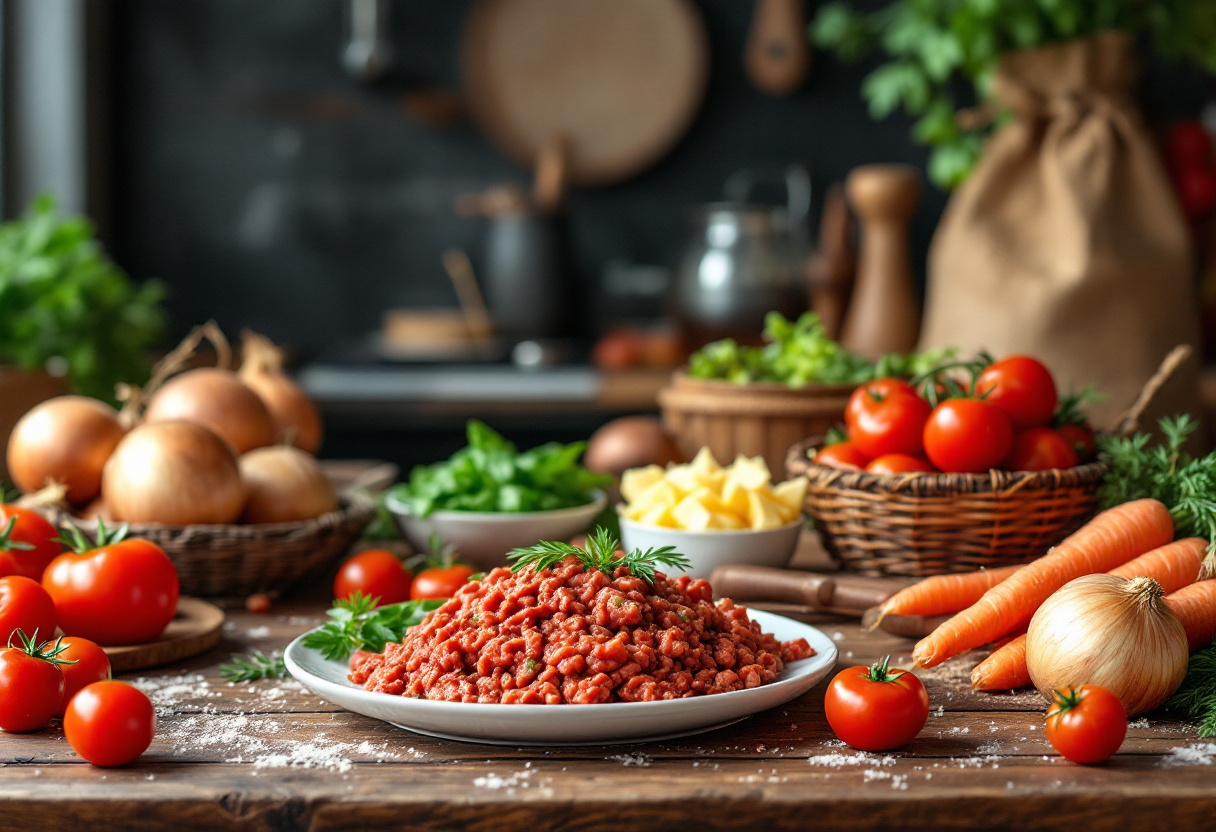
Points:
(491, 476)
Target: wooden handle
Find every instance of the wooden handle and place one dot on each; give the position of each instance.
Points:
(778, 57)
(549, 186)
(763, 583)
(854, 594)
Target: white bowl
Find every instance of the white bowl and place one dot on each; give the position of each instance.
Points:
(709, 550)
(484, 538)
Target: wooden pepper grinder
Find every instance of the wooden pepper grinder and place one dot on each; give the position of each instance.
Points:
(830, 271)
(884, 314)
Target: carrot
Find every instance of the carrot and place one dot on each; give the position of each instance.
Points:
(1195, 607)
(1111, 539)
(1173, 566)
(944, 594)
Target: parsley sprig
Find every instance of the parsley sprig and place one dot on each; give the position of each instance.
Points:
(358, 624)
(600, 554)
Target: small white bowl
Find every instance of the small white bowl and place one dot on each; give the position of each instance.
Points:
(484, 538)
(709, 550)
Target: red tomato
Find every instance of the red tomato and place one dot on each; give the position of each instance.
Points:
(1196, 189)
(875, 708)
(968, 435)
(1040, 449)
(898, 464)
(258, 603)
(618, 350)
(25, 606)
(1022, 387)
(1086, 724)
(893, 425)
(110, 723)
(870, 392)
(31, 686)
(1189, 145)
(1082, 439)
(841, 455)
(440, 581)
(91, 664)
(123, 592)
(29, 529)
(376, 573)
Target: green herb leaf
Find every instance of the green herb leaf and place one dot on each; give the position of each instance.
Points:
(600, 554)
(357, 624)
(1197, 695)
(257, 665)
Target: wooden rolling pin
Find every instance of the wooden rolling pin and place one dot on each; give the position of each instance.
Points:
(842, 593)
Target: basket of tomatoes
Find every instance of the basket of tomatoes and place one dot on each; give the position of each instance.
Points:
(978, 464)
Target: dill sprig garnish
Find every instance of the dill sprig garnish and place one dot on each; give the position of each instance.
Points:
(1197, 695)
(600, 554)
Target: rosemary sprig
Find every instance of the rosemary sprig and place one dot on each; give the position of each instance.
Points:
(357, 624)
(257, 665)
(600, 554)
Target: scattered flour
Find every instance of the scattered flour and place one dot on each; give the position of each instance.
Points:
(258, 632)
(898, 781)
(1195, 754)
(640, 760)
(858, 758)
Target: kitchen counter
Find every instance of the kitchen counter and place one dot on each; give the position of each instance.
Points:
(270, 756)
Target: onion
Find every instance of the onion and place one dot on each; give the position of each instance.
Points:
(296, 419)
(630, 442)
(65, 440)
(1112, 632)
(176, 473)
(284, 484)
(215, 399)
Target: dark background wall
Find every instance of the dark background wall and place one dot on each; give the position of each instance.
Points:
(270, 190)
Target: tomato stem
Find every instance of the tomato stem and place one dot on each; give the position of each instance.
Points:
(72, 537)
(1064, 701)
(44, 650)
(6, 541)
(881, 671)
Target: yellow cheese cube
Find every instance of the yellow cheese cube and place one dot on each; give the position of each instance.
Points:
(659, 516)
(704, 463)
(752, 473)
(690, 515)
(734, 495)
(662, 493)
(791, 494)
(726, 522)
(683, 478)
(712, 502)
(636, 480)
(764, 513)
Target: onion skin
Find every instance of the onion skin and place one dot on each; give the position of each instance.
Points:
(296, 419)
(215, 399)
(65, 440)
(284, 485)
(630, 442)
(174, 473)
(1112, 632)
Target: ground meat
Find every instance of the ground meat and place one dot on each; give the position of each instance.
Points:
(567, 635)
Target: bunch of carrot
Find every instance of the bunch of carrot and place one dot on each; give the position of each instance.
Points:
(1129, 540)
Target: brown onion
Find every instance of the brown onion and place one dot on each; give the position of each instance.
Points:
(175, 473)
(630, 442)
(215, 399)
(66, 440)
(284, 484)
(296, 419)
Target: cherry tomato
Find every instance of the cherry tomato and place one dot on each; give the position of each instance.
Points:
(29, 529)
(841, 455)
(31, 686)
(875, 708)
(894, 425)
(870, 392)
(898, 464)
(1189, 145)
(1022, 387)
(122, 592)
(618, 350)
(1196, 189)
(25, 606)
(110, 723)
(440, 581)
(1082, 439)
(1040, 449)
(1086, 724)
(91, 664)
(968, 435)
(258, 603)
(376, 573)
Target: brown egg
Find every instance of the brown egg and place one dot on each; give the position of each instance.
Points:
(630, 442)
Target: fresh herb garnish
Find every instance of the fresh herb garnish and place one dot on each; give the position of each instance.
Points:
(600, 554)
(257, 665)
(1197, 695)
(357, 624)
(490, 475)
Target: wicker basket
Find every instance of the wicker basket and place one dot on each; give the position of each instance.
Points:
(236, 561)
(929, 524)
(752, 419)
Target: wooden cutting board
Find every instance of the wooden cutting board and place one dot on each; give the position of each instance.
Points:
(616, 82)
(195, 629)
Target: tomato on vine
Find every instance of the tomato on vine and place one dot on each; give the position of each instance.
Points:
(1022, 387)
(968, 435)
(870, 393)
(875, 708)
(31, 684)
(439, 573)
(1086, 724)
(29, 539)
(892, 424)
(377, 573)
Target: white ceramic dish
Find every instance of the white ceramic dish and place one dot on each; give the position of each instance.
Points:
(484, 538)
(620, 722)
(709, 550)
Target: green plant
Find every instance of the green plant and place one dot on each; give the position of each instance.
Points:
(934, 43)
(62, 298)
(600, 553)
(356, 623)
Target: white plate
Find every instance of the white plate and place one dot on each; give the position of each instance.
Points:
(618, 722)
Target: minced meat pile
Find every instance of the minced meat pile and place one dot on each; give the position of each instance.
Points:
(568, 635)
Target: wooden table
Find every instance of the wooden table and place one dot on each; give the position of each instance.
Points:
(268, 755)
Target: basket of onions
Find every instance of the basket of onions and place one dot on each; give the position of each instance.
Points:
(214, 466)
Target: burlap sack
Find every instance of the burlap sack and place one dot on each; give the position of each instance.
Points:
(1067, 242)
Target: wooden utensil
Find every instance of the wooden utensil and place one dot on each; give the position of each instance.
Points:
(884, 314)
(831, 270)
(777, 57)
(839, 593)
(907, 626)
(195, 629)
(618, 80)
(472, 304)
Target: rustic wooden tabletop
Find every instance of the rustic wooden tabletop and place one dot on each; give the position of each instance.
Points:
(269, 755)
